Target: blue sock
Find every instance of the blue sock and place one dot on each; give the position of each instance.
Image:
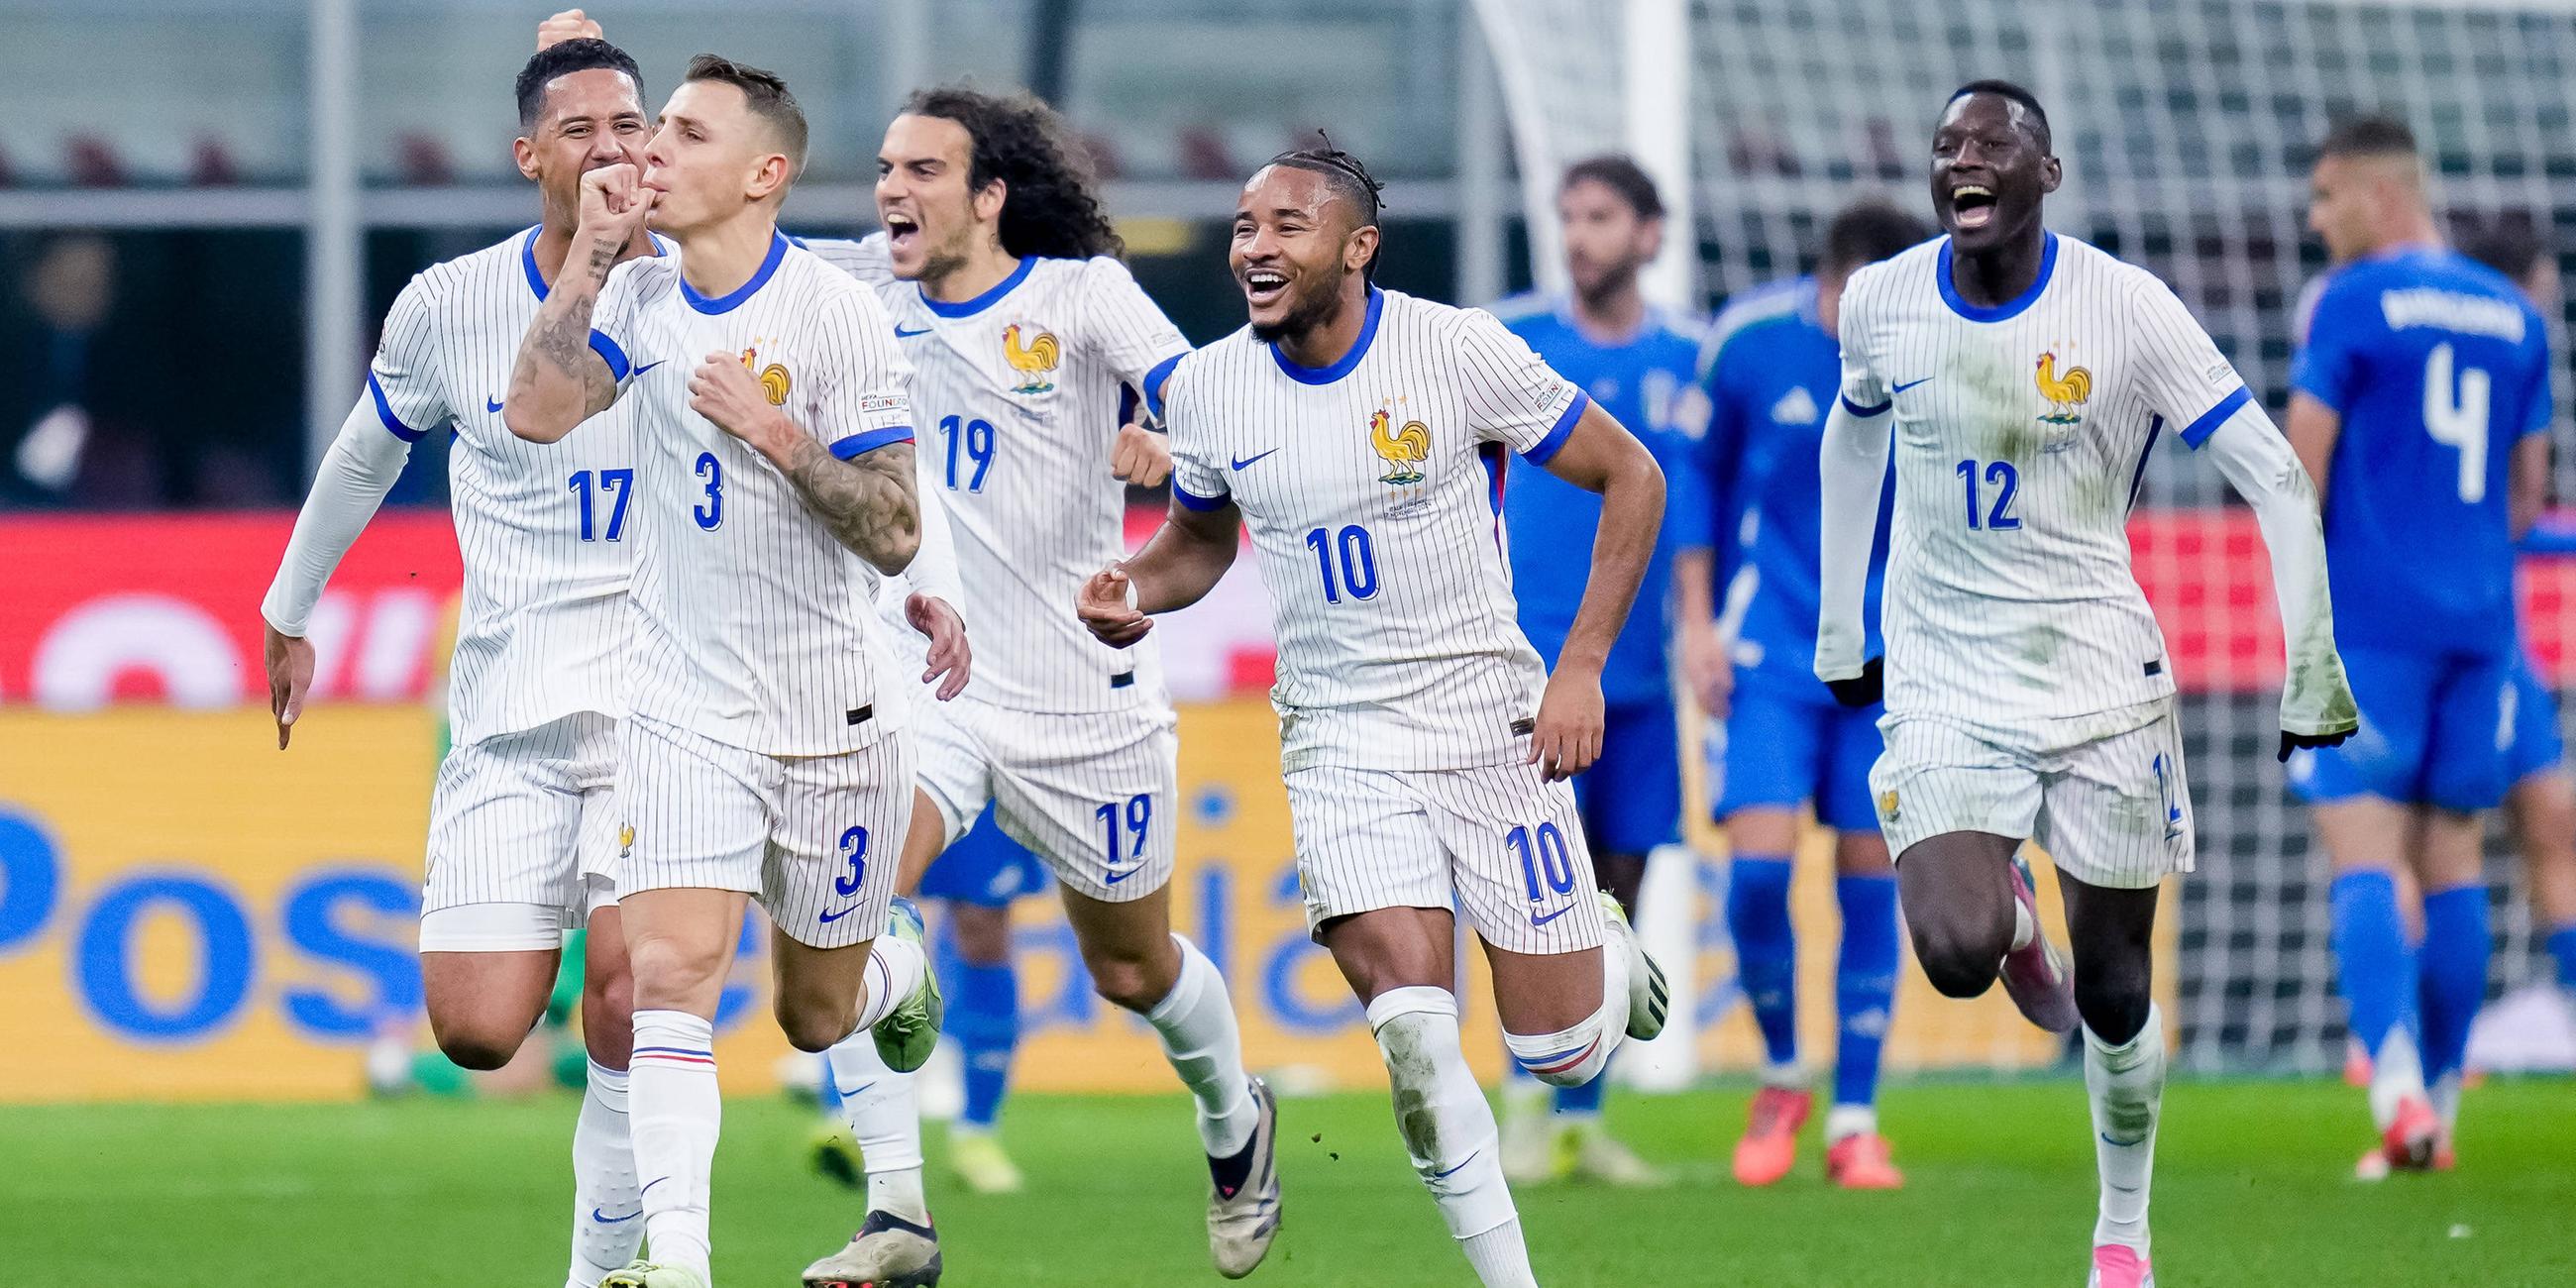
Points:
(1766, 949)
(1864, 984)
(1586, 1099)
(2562, 946)
(2457, 942)
(2371, 957)
(984, 1018)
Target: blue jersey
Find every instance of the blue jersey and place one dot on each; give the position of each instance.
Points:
(1638, 381)
(1770, 373)
(2438, 367)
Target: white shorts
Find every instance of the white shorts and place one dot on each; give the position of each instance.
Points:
(1093, 794)
(1500, 841)
(815, 838)
(514, 823)
(2112, 811)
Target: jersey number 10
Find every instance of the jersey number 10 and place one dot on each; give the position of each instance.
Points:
(2455, 414)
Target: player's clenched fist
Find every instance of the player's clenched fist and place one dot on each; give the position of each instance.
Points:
(614, 202)
(724, 391)
(1140, 456)
(1566, 738)
(571, 24)
(1107, 606)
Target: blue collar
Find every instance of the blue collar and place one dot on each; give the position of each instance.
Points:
(969, 308)
(2009, 309)
(1341, 367)
(537, 280)
(734, 298)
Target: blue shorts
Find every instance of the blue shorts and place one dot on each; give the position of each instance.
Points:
(985, 868)
(1631, 798)
(2435, 730)
(2538, 746)
(1788, 750)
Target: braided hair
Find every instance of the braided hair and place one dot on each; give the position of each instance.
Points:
(1349, 180)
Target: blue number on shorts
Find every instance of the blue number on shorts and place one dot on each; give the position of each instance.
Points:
(619, 484)
(711, 515)
(854, 848)
(976, 438)
(1549, 854)
(1139, 822)
(1358, 561)
(2008, 481)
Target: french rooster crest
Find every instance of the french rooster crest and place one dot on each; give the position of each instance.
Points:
(774, 381)
(2064, 393)
(1403, 450)
(1032, 360)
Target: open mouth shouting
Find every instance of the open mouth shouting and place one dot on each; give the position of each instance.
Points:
(1264, 286)
(902, 230)
(1972, 205)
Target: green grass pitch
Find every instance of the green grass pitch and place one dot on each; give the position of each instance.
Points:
(2252, 1189)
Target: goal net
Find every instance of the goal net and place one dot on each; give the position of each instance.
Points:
(2186, 127)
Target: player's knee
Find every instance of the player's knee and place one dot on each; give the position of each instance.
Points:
(811, 1025)
(1959, 960)
(1134, 977)
(608, 1015)
(983, 935)
(665, 973)
(2113, 999)
(478, 1043)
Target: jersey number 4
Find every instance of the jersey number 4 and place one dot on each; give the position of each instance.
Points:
(2455, 414)
(2001, 476)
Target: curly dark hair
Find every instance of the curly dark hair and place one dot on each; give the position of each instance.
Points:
(1049, 208)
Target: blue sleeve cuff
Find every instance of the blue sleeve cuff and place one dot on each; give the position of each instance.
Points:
(1193, 501)
(2198, 432)
(1560, 431)
(862, 444)
(385, 413)
(1866, 412)
(609, 352)
(1154, 379)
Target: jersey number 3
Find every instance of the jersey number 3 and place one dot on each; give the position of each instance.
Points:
(2455, 414)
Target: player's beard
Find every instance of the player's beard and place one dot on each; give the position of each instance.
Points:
(1614, 281)
(1317, 310)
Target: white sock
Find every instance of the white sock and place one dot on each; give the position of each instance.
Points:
(895, 968)
(2024, 929)
(2126, 1086)
(2445, 1095)
(676, 1115)
(1447, 1127)
(1577, 1055)
(1196, 1023)
(2396, 1074)
(1500, 1256)
(884, 1118)
(606, 1231)
(1843, 1122)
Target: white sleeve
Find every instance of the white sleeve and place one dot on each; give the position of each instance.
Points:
(1853, 466)
(357, 471)
(864, 401)
(1127, 331)
(867, 259)
(2259, 464)
(1515, 397)
(2185, 378)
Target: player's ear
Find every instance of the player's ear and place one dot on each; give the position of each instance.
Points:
(1359, 248)
(525, 154)
(770, 177)
(989, 200)
(2050, 175)
(1650, 239)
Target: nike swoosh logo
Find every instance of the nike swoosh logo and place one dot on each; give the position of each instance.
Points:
(1471, 1157)
(837, 914)
(491, 404)
(1541, 921)
(857, 1089)
(902, 334)
(2120, 1144)
(605, 1219)
(638, 373)
(1246, 462)
(1894, 390)
(648, 1186)
(1115, 875)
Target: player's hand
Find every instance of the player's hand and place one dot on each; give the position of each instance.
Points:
(614, 202)
(571, 24)
(1140, 456)
(1706, 669)
(725, 392)
(1566, 738)
(2291, 742)
(1867, 689)
(290, 676)
(1107, 607)
(949, 654)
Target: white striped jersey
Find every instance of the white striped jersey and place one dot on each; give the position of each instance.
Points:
(868, 259)
(1018, 396)
(1373, 492)
(545, 531)
(753, 626)
(2021, 434)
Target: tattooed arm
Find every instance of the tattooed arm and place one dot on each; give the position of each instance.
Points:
(868, 502)
(561, 379)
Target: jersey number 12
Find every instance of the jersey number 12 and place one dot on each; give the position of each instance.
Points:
(2006, 481)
